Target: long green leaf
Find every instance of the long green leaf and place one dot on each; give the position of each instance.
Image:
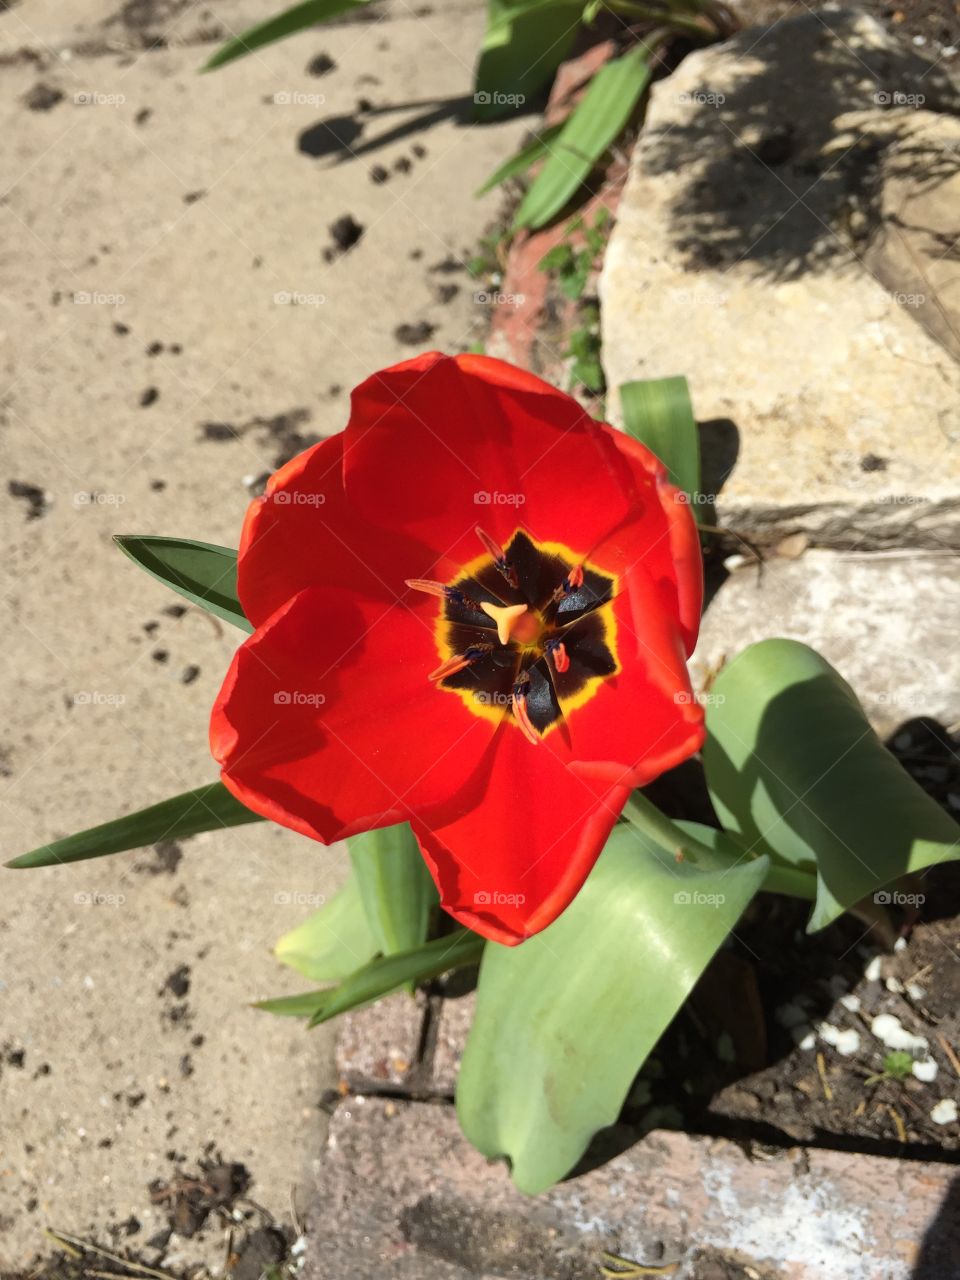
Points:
(523, 45)
(394, 885)
(590, 129)
(331, 942)
(565, 1020)
(523, 159)
(207, 808)
(200, 571)
(281, 25)
(381, 976)
(794, 767)
(659, 414)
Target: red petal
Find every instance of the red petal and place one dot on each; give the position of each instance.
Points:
(437, 445)
(327, 722)
(304, 533)
(669, 550)
(509, 865)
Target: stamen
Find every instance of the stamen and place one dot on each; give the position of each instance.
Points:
(571, 582)
(457, 661)
(441, 590)
(558, 652)
(511, 618)
(498, 556)
(522, 715)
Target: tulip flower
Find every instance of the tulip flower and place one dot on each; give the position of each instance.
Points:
(472, 612)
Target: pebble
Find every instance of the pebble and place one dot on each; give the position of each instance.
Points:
(926, 1070)
(891, 1032)
(945, 1112)
(845, 1041)
(851, 1002)
(894, 985)
(872, 971)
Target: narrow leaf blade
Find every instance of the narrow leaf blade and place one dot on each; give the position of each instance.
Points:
(201, 572)
(394, 886)
(590, 129)
(206, 808)
(523, 159)
(279, 27)
(658, 412)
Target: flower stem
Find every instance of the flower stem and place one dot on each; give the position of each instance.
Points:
(781, 878)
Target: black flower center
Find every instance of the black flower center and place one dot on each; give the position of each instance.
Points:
(525, 631)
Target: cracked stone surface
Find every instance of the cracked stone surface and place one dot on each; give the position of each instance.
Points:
(402, 1196)
(787, 239)
(886, 622)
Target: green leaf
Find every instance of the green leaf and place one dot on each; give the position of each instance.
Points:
(200, 571)
(206, 809)
(659, 414)
(794, 767)
(281, 25)
(524, 43)
(383, 975)
(331, 942)
(523, 159)
(565, 1020)
(395, 886)
(592, 126)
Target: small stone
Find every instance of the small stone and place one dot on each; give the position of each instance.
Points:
(891, 1032)
(926, 1070)
(945, 1112)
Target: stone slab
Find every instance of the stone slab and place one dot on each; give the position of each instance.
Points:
(379, 1046)
(788, 191)
(401, 1195)
(454, 1019)
(887, 622)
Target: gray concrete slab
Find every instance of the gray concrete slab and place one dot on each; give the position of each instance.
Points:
(178, 215)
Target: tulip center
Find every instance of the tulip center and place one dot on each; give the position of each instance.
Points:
(525, 632)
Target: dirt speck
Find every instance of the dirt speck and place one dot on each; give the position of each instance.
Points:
(42, 97)
(35, 497)
(321, 65)
(414, 334)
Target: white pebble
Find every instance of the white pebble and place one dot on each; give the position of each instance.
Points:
(846, 1042)
(851, 1002)
(872, 971)
(808, 1042)
(891, 1032)
(900, 944)
(894, 985)
(926, 1070)
(914, 992)
(945, 1112)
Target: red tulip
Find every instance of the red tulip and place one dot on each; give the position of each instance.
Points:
(472, 612)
